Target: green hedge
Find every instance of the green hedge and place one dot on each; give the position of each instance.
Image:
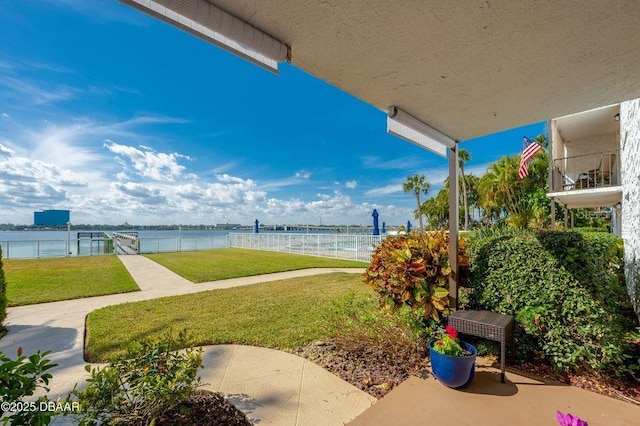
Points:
(3, 295)
(591, 229)
(560, 287)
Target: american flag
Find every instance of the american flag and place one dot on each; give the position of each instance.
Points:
(530, 149)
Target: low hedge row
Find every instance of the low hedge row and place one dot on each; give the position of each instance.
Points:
(562, 289)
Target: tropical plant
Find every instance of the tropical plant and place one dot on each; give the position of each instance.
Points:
(523, 200)
(21, 378)
(417, 184)
(436, 210)
(463, 157)
(414, 270)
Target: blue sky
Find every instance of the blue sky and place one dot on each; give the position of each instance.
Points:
(119, 117)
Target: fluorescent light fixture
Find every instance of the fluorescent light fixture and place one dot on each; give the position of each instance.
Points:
(212, 24)
(409, 128)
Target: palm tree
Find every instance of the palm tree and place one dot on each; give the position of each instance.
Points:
(464, 156)
(436, 210)
(417, 184)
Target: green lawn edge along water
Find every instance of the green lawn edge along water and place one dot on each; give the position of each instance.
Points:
(32, 281)
(213, 265)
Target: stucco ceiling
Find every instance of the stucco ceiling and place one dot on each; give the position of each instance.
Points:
(467, 68)
(597, 122)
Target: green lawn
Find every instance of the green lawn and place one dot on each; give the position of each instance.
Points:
(48, 280)
(281, 314)
(212, 265)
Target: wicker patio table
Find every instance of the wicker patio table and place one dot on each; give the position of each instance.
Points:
(485, 324)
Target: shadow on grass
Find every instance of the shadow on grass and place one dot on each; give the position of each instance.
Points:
(118, 346)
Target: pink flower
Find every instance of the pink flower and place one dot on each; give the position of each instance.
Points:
(451, 331)
(19, 350)
(569, 420)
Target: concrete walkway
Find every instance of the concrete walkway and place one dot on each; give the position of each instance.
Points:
(271, 387)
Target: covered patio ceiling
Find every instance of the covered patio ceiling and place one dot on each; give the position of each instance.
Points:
(467, 68)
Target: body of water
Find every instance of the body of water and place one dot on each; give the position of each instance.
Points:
(29, 244)
(54, 243)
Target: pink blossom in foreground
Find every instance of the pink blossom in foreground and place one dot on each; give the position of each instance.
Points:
(569, 420)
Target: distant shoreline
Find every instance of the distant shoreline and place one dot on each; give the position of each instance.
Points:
(128, 227)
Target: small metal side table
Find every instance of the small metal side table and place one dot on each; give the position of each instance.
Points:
(485, 324)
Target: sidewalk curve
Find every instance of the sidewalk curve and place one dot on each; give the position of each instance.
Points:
(271, 387)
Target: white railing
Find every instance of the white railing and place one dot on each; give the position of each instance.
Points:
(337, 246)
(586, 171)
(166, 245)
(34, 249)
(126, 242)
(31, 249)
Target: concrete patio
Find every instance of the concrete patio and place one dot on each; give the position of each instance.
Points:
(519, 401)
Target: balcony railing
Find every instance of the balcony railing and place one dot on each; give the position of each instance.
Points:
(586, 171)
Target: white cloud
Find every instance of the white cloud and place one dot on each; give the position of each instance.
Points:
(385, 190)
(147, 195)
(148, 163)
(299, 178)
(6, 150)
(231, 190)
(5, 115)
(402, 163)
(303, 174)
(34, 94)
(92, 168)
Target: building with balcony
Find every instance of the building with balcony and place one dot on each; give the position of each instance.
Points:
(594, 162)
(584, 152)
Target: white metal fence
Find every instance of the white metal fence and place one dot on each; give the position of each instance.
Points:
(31, 249)
(165, 245)
(338, 246)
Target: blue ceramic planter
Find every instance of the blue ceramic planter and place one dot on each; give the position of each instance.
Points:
(454, 372)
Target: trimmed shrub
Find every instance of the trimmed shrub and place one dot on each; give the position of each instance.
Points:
(136, 388)
(414, 270)
(3, 294)
(560, 291)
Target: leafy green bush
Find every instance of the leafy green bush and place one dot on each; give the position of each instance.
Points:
(3, 295)
(414, 270)
(145, 382)
(591, 229)
(560, 291)
(20, 378)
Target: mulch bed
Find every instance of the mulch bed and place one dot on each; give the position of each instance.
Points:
(204, 408)
(369, 368)
(375, 371)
